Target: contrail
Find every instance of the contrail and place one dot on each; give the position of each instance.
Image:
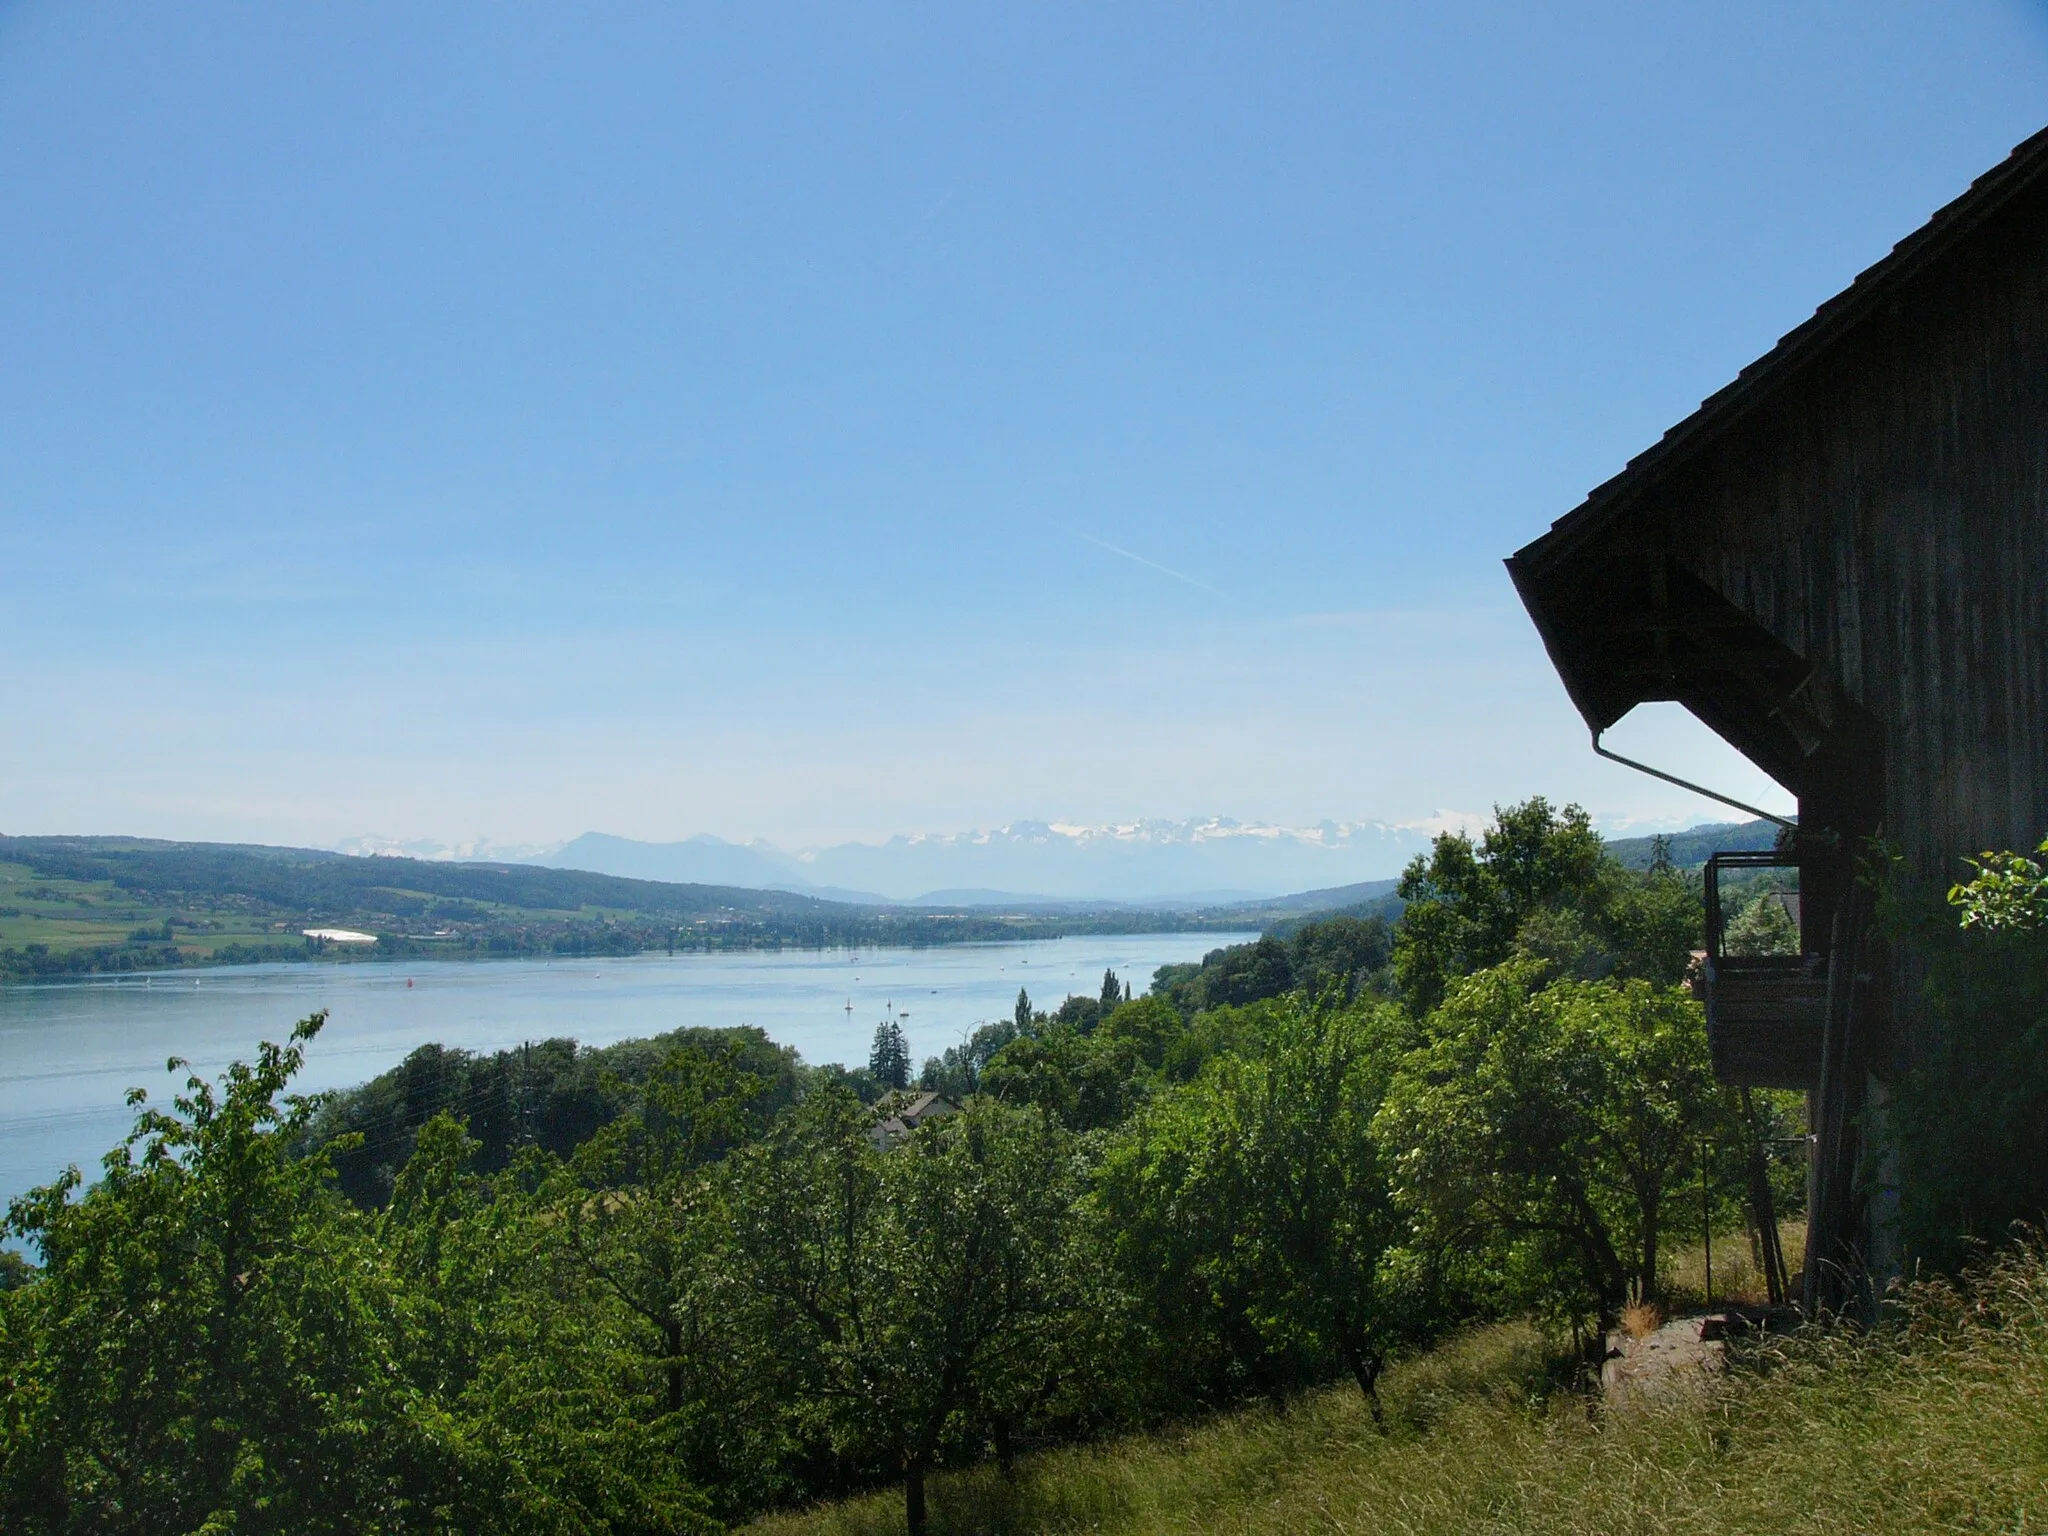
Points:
(1153, 565)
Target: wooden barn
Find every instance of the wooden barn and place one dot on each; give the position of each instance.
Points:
(1840, 564)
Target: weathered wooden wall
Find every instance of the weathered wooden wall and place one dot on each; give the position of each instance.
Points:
(1885, 515)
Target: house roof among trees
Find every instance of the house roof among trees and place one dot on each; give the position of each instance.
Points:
(903, 1112)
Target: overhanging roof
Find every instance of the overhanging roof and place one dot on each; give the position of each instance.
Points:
(1624, 626)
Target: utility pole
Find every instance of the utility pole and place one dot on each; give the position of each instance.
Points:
(524, 1114)
(1707, 1220)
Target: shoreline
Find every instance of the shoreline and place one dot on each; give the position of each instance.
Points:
(248, 956)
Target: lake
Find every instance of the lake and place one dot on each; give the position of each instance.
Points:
(69, 1050)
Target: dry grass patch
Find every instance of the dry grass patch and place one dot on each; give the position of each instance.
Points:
(1640, 1319)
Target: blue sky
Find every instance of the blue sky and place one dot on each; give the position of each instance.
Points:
(821, 422)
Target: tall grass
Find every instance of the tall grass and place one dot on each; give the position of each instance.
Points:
(1737, 1277)
(1937, 1423)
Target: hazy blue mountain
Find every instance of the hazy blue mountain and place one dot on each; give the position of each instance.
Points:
(1158, 865)
(702, 860)
(1204, 861)
(1024, 901)
(988, 898)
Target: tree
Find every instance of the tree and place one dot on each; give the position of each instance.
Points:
(1550, 1125)
(1082, 1081)
(2009, 892)
(1112, 991)
(1763, 927)
(1466, 901)
(898, 1291)
(889, 1057)
(638, 1211)
(1151, 1024)
(533, 1402)
(957, 1073)
(1022, 1014)
(1338, 952)
(203, 1347)
(218, 1341)
(1538, 882)
(1247, 973)
(1079, 1014)
(1253, 1206)
(1650, 922)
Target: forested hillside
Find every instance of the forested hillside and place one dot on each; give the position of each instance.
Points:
(1689, 849)
(80, 904)
(71, 905)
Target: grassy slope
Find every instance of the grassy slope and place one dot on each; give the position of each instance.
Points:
(72, 914)
(1941, 1426)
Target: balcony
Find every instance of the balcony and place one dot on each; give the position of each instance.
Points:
(1766, 1012)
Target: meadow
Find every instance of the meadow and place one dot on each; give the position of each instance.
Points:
(1936, 1422)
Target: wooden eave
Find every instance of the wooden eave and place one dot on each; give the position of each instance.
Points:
(1622, 620)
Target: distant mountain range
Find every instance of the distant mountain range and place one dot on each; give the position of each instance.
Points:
(1157, 865)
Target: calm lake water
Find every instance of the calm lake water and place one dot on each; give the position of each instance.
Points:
(69, 1050)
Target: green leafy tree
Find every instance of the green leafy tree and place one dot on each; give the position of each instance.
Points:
(2009, 892)
(1149, 1024)
(218, 1341)
(957, 1073)
(1079, 1014)
(1253, 1212)
(901, 1291)
(1467, 901)
(1538, 882)
(1763, 927)
(1248, 973)
(203, 1348)
(1651, 922)
(1338, 953)
(525, 1381)
(639, 1212)
(1550, 1126)
(1218, 1032)
(1085, 1082)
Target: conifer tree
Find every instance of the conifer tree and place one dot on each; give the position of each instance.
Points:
(889, 1059)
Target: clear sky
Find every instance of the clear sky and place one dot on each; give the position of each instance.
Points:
(820, 422)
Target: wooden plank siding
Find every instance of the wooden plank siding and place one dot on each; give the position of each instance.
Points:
(1766, 1021)
(1840, 564)
(1887, 520)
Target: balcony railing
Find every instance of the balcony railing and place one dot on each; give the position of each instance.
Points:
(1766, 1014)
